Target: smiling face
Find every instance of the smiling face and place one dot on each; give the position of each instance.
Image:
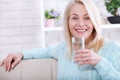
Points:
(79, 21)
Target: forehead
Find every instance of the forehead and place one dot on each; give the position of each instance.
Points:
(78, 8)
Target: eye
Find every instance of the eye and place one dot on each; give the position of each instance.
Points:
(74, 18)
(87, 18)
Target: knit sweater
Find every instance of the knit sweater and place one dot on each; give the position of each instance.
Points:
(107, 69)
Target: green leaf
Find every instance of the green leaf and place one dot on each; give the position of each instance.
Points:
(112, 6)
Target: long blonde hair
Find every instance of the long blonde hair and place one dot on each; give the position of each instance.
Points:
(94, 15)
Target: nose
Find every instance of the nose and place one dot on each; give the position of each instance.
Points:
(81, 23)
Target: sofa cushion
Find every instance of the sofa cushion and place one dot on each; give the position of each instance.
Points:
(34, 69)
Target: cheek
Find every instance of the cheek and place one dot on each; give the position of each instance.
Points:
(91, 29)
(90, 26)
(71, 25)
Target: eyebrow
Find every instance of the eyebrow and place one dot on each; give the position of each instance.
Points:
(84, 14)
(74, 14)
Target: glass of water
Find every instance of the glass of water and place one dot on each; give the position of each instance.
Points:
(78, 43)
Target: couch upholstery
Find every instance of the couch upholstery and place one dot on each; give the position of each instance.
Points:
(35, 69)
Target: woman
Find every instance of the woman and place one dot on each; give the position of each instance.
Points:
(99, 60)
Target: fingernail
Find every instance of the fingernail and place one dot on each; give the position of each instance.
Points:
(12, 66)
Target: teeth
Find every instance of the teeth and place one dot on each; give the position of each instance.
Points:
(81, 30)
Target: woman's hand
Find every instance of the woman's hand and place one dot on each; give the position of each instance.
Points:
(11, 61)
(86, 56)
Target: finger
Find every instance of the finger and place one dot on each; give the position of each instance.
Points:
(82, 55)
(83, 59)
(85, 62)
(17, 61)
(83, 50)
(4, 65)
(8, 62)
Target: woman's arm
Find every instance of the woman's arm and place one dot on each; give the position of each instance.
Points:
(49, 52)
(107, 71)
(109, 66)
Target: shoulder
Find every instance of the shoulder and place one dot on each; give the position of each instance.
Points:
(111, 43)
(110, 47)
(110, 50)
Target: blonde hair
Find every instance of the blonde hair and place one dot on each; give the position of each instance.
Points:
(94, 15)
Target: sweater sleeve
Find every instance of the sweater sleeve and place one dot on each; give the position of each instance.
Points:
(50, 52)
(109, 66)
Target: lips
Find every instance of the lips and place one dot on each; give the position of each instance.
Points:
(81, 30)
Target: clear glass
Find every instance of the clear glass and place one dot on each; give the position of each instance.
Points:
(77, 44)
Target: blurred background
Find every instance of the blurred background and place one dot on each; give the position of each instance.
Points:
(24, 25)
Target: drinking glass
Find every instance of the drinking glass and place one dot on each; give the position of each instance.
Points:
(78, 43)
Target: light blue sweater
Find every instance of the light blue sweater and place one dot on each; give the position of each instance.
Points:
(107, 69)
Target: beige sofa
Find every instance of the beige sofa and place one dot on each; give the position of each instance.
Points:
(35, 69)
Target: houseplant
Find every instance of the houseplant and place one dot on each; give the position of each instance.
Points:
(50, 16)
(112, 7)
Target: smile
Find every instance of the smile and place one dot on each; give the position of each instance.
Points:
(81, 30)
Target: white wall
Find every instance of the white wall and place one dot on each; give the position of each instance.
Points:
(19, 25)
(111, 33)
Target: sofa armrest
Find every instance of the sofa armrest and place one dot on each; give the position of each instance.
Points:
(34, 69)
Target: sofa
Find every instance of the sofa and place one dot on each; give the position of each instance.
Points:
(34, 69)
